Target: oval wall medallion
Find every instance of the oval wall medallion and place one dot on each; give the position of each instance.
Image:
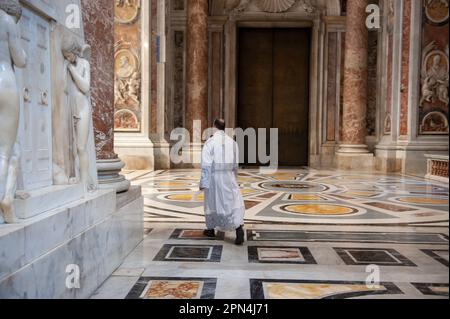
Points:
(437, 11)
(275, 6)
(126, 11)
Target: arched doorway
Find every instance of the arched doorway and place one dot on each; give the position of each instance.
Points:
(273, 88)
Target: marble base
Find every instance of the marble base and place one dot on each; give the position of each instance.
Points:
(46, 199)
(415, 162)
(94, 234)
(386, 161)
(355, 161)
(136, 152)
(195, 155)
(162, 155)
(109, 177)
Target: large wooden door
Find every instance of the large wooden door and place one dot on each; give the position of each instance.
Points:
(273, 88)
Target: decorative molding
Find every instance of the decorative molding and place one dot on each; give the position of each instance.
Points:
(275, 6)
(269, 6)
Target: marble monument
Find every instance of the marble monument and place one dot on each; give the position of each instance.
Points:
(48, 165)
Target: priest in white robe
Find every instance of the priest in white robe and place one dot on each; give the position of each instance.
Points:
(224, 205)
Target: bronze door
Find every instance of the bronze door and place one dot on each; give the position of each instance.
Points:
(273, 88)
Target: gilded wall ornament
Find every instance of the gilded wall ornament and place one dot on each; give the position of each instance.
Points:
(436, 11)
(126, 11)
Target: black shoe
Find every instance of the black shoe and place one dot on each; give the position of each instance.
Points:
(240, 236)
(209, 233)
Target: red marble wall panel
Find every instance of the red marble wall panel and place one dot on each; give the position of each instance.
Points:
(98, 20)
(406, 40)
(153, 67)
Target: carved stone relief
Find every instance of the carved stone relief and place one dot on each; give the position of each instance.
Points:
(434, 123)
(435, 68)
(126, 120)
(434, 100)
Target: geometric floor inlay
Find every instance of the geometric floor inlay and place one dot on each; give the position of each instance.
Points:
(302, 196)
(194, 234)
(370, 256)
(297, 289)
(280, 255)
(311, 235)
(173, 288)
(319, 209)
(190, 253)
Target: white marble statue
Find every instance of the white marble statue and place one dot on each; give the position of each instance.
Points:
(78, 89)
(12, 55)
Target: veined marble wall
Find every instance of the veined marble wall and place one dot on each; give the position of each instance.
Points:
(127, 95)
(433, 105)
(97, 25)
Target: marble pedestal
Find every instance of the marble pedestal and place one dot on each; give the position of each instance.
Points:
(94, 234)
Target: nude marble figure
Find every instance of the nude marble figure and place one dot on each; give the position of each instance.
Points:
(78, 89)
(12, 56)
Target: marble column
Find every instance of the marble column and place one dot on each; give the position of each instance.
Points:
(355, 78)
(353, 143)
(98, 22)
(197, 64)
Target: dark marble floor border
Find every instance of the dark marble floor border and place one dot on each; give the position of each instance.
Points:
(432, 254)
(351, 237)
(177, 235)
(425, 288)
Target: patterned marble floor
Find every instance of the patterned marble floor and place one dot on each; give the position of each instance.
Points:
(311, 234)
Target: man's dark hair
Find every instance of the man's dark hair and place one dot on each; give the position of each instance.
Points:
(220, 124)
